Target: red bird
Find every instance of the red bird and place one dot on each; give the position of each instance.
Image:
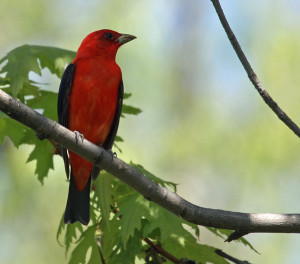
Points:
(89, 102)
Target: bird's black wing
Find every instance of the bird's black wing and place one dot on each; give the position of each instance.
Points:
(114, 127)
(63, 106)
(108, 143)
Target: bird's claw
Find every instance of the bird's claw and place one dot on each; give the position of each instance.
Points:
(78, 135)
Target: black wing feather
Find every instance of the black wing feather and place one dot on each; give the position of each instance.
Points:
(63, 106)
(114, 128)
(78, 205)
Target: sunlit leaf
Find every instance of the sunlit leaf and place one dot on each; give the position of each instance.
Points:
(22, 60)
(130, 110)
(85, 242)
(44, 158)
(103, 191)
(152, 177)
(132, 209)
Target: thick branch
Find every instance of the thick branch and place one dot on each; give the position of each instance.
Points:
(251, 74)
(241, 222)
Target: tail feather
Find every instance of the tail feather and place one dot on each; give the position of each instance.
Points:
(78, 204)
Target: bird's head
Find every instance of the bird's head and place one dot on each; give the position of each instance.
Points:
(103, 43)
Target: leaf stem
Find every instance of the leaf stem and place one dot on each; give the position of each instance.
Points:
(161, 251)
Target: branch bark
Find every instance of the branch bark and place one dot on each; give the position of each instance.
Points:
(251, 74)
(242, 223)
(234, 260)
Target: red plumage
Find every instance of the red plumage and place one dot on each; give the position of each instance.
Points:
(90, 101)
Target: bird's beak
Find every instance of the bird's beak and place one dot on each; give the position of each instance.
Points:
(124, 38)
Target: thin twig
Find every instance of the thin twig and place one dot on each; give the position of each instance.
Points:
(161, 251)
(251, 74)
(98, 242)
(241, 222)
(101, 255)
(232, 259)
(56, 149)
(155, 247)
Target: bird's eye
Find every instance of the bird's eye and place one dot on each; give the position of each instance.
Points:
(109, 36)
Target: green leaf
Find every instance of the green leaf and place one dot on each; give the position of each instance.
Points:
(85, 242)
(20, 134)
(47, 101)
(132, 209)
(60, 230)
(103, 190)
(166, 222)
(72, 234)
(4, 81)
(22, 60)
(130, 110)
(44, 158)
(152, 177)
(127, 95)
(119, 139)
(127, 255)
(224, 234)
(12, 129)
(110, 237)
(187, 247)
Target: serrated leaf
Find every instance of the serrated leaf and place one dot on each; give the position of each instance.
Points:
(110, 237)
(152, 177)
(30, 89)
(12, 129)
(44, 158)
(187, 247)
(86, 241)
(132, 209)
(130, 110)
(103, 190)
(224, 234)
(119, 139)
(166, 222)
(94, 215)
(4, 81)
(72, 234)
(127, 255)
(21, 60)
(60, 230)
(127, 95)
(47, 101)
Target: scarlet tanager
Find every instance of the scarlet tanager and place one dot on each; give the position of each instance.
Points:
(89, 102)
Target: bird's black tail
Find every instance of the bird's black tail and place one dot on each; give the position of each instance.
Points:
(78, 204)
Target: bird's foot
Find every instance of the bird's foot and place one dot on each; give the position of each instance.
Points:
(78, 135)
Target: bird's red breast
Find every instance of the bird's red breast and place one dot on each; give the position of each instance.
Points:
(92, 106)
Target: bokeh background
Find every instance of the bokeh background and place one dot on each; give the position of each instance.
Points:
(203, 125)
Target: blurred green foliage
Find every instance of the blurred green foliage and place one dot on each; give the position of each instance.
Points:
(203, 126)
(134, 218)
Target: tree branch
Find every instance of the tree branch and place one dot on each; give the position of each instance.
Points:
(161, 251)
(242, 222)
(251, 74)
(234, 260)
